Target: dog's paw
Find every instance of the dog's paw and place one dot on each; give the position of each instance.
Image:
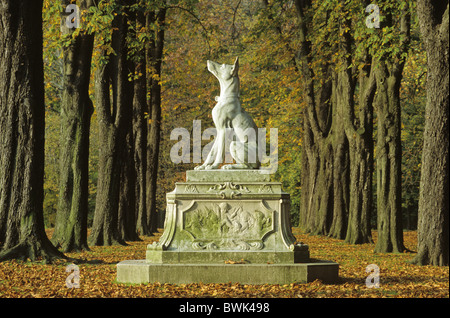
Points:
(202, 167)
(236, 166)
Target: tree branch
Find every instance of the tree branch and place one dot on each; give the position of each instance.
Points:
(198, 21)
(233, 28)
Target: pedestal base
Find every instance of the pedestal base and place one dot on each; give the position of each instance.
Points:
(198, 257)
(142, 272)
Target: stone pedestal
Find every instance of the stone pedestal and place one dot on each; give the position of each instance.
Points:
(227, 215)
(227, 225)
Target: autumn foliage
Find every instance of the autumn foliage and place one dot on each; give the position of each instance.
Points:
(398, 278)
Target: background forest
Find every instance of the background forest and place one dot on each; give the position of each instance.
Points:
(265, 37)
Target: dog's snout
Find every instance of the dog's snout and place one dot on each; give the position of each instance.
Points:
(210, 66)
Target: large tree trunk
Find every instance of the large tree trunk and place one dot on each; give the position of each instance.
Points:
(389, 159)
(305, 181)
(433, 224)
(325, 156)
(388, 74)
(105, 224)
(127, 196)
(361, 165)
(154, 60)
(316, 212)
(114, 121)
(76, 110)
(317, 184)
(22, 130)
(341, 166)
(359, 135)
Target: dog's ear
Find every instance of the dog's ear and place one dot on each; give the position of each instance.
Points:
(235, 68)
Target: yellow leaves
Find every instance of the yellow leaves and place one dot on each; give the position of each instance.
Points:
(242, 261)
(398, 278)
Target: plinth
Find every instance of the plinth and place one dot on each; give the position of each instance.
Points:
(227, 226)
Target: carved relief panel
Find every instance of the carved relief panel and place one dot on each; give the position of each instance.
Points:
(228, 225)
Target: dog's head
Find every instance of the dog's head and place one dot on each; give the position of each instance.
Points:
(223, 71)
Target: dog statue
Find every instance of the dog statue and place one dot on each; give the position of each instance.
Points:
(228, 115)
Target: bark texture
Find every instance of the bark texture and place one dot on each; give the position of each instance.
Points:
(114, 115)
(433, 224)
(76, 111)
(154, 61)
(359, 133)
(22, 126)
(140, 135)
(325, 181)
(388, 74)
(358, 126)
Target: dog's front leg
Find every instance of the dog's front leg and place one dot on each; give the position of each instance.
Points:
(218, 149)
(210, 158)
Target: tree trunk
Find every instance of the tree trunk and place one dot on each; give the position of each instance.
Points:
(361, 169)
(140, 135)
(154, 60)
(325, 161)
(389, 159)
(306, 177)
(22, 130)
(388, 73)
(323, 185)
(359, 136)
(433, 224)
(316, 212)
(114, 121)
(76, 110)
(341, 166)
(127, 196)
(105, 224)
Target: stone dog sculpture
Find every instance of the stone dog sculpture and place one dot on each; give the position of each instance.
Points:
(228, 116)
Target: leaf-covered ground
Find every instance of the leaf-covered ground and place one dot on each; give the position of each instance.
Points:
(398, 278)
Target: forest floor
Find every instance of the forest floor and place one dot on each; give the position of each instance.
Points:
(398, 278)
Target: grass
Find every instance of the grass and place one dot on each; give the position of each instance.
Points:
(398, 278)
